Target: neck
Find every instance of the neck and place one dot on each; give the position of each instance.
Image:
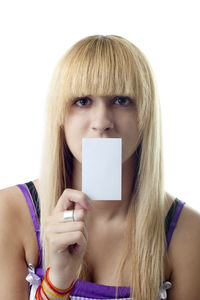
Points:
(106, 210)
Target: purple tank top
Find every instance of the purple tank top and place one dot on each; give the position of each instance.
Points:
(83, 289)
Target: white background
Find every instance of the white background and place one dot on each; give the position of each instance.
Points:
(35, 34)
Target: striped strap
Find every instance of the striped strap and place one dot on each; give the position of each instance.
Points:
(172, 219)
(31, 199)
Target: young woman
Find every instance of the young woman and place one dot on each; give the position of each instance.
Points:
(146, 246)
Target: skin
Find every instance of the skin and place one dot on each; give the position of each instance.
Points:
(104, 117)
(18, 244)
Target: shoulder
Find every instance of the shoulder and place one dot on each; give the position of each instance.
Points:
(12, 211)
(11, 199)
(18, 244)
(12, 252)
(10, 216)
(187, 231)
(184, 256)
(16, 226)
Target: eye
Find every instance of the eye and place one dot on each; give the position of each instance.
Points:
(122, 101)
(82, 102)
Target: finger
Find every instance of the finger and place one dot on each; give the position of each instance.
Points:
(72, 197)
(79, 215)
(68, 227)
(60, 242)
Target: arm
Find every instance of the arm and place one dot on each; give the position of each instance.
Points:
(13, 267)
(67, 242)
(184, 254)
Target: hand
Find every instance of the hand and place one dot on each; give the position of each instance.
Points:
(67, 241)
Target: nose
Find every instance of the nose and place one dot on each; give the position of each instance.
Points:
(102, 119)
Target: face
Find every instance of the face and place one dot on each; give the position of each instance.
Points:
(102, 117)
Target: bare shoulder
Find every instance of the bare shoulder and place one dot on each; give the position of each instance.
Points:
(16, 243)
(187, 231)
(184, 256)
(13, 206)
(11, 202)
(14, 213)
(11, 214)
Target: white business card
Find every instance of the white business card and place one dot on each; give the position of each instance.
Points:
(102, 168)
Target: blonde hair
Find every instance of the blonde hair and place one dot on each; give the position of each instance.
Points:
(108, 65)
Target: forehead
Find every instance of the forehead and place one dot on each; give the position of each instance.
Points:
(102, 96)
(100, 73)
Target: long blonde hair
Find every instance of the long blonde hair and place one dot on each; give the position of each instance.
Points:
(107, 65)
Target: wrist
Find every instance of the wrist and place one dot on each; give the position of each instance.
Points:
(59, 281)
(48, 291)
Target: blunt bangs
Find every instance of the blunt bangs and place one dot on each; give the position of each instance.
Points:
(100, 66)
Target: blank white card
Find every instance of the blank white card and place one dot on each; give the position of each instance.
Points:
(102, 168)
